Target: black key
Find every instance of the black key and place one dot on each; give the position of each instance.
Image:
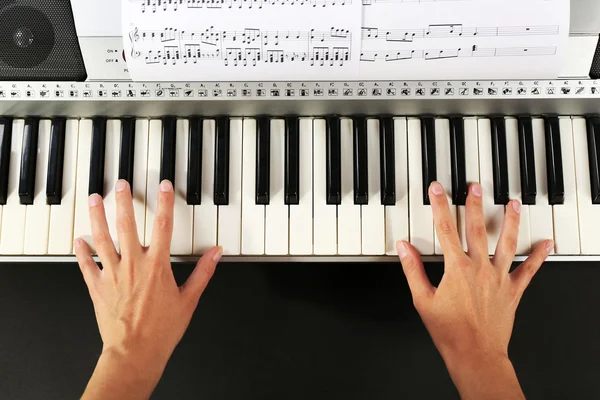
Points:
(500, 161)
(593, 136)
(292, 161)
(56, 162)
(361, 164)
(263, 160)
(221, 194)
(429, 164)
(334, 162)
(5, 146)
(96, 183)
(169, 150)
(194, 177)
(457, 157)
(527, 161)
(387, 161)
(126, 156)
(554, 164)
(28, 161)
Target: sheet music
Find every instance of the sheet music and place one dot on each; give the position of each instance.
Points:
(229, 40)
(463, 39)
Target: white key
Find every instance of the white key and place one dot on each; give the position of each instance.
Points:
(514, 183)
(253, 215)
(472, 172)
(140, 157)
(82, 228)
(301, 219)
(111, 176)
(230, 216)
(152, 176)
(494, 214)
(325, 229)
(566, 218)
(444, 168)
(62, 216)
(183, 216)
(205, 214)
(421, 227)
(348, 214)
(37, 221)
(276, 213)
(373, 214)
(396, 217)
(589, 214)
(540, 215)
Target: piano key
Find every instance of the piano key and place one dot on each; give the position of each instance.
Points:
(276, 212)
(457, 156)
(324, 214)
(348, 212)
(60, 237)
(253, 215)
(554, 164)
(97, 155)
(12, 234)
(428, 153)
(494, 213)
(514, 184)
(333, 172)
(360, 166)
(471, 172)
(221, 185)
(301, 216)
(388, 163)
(82, 228)
(230, 215)
(527, 161)
(443, 150)
(421, 233)
(152, 176)
(168, 150)
(205, 214)
(56, 162)
(5, 146)
(194, 177)
(500, 162)
(292, 161)
(183, 213)
(127, 151)
(593, 138)
(373, 214)
(540, 215)
(140, 156)
(263, 163)
(396, 216)
(566, 223)
(29, 154)
(111, 176)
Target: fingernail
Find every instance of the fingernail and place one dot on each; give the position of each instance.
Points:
(402, 249)
(94, 200)
(120, 186)
(437, 189)
(516, 206)
(217, 256)
(476, 189)
(166, 186)
(550, 246)
(76, 243)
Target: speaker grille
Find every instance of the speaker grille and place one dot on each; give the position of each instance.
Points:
(595, 71)
(38, 41)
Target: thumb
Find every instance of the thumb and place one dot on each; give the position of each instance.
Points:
(414, 271)
(205, 269)
(525, 272)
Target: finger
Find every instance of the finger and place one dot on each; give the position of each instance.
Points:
(126, 226)
(205, 269)
(445, 224)
(413, 268)
(87, 265)
(476, 234)
(509, 237)
(100, 233)
(525, 272)
(163, 222)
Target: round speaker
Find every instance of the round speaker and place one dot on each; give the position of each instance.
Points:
(26, 37)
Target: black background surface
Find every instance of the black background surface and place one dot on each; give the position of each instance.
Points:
(297, 331)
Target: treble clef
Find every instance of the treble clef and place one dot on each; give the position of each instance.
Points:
(134, 37)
